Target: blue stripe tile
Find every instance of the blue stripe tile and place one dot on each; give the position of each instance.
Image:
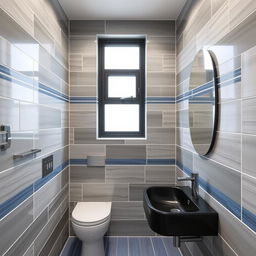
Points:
(28, 82)
(161, 161)
(111, 247)
(140, 246)
(230, 204)
(249, 218)
(122, 246)
(14, 201)
(39, 183)
(78, 161)
(159, 247)
(126, 161)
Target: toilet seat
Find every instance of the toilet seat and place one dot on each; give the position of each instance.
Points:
(91, 213)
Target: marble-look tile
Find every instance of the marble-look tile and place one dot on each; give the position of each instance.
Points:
(240, 10)
(105, 192)
(160, 151)
(157, 136)
(248, 193)
(44, 38)
(88, 136)
(152, 28)
(226, 180)
(161, 46)
(45, 195)
(248, 155)
(141, 246)
(230, 116)
(75, 62)
(76, 192)
(124, 174)
(89, 63)
(154, 119)
(10, 117)
(15, 223)
(248, 116)
(129, 228)
(18, 178)
(230, 92)
(161, 91)
(248, 72)
(30, 251)
(83, 45)
(21, 12)
(51, 242)
(169, 119)
(79, 91)
(79, 119)
(155, 63)
(82, 78)
(83, 150)
(23, 243)
(227, 150)
(160, 174)
(56, 202)
(184, 157)
(125, 152)
(46, 231)
(127, 211)
(87, 27)
(158, 79)
(237, 235)
(216, 4)
(84, 174)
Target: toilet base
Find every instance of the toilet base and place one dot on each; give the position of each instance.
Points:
(93, 248)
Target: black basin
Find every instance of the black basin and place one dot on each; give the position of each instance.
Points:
(171, 211)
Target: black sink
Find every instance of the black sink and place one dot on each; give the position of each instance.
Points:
(171, 211)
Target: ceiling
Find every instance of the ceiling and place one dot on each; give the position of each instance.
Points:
(122, 9)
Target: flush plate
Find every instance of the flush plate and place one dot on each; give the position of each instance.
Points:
(47, 165)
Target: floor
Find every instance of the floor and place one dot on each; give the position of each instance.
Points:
(128, 246)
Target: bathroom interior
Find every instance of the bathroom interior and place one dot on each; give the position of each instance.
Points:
(128, 128)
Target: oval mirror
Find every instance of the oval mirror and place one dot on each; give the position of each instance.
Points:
(203, 102)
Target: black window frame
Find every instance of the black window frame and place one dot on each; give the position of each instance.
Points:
(103, 87)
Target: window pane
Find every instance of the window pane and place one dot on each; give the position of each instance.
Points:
(121, 86)
(121, 118)
(122, 57)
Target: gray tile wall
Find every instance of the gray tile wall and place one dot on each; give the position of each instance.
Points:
(34, 43)
(122, 184)
(227, 28)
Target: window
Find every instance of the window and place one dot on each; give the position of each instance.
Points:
(121, 88)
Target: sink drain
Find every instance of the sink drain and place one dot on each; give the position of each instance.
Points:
(175, 210)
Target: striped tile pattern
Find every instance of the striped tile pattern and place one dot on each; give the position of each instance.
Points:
(127, 246)
(227, 174)
(34, 101)
(128, 162)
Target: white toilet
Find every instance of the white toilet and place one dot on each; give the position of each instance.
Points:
(90, 221)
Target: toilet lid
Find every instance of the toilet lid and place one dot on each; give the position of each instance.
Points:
(88, 212)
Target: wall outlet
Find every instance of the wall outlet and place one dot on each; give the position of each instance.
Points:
(47, 165)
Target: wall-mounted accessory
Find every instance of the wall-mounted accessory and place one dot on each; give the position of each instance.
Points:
(47, 165)
(5, 135)
(96, 160)
(31, 152)
(203, 102)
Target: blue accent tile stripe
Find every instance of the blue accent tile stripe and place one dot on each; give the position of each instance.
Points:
(39, 183)
(169, 161)
(126, 161)
(230, 204)
(160, 100)
(78, 161)
(14, 201)
(25, 81)
(83, 100)
(249, 219)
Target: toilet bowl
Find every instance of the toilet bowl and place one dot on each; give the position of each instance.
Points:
(90, 221)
